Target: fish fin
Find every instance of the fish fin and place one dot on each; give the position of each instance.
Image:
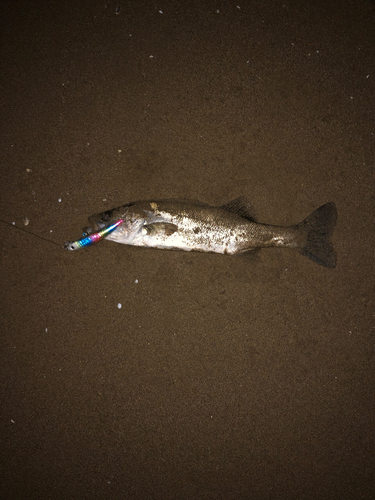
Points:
(319, 226)
(160, 229)
(251, 254)
(240, 207)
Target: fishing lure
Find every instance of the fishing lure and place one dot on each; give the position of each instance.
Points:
(92, 238)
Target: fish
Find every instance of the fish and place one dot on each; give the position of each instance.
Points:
(230, 229)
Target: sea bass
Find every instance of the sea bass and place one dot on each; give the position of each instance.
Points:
(228, 229)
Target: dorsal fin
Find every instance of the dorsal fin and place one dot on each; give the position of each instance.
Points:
(240, 207)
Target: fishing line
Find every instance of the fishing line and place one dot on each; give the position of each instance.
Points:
(30, 232)
(75, 245)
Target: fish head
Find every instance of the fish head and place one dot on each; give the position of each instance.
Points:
(132, 218)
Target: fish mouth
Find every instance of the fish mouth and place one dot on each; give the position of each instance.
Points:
(87, 230)
(94, 227)
(99, 221)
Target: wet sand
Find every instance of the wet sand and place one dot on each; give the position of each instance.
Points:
(219, 377)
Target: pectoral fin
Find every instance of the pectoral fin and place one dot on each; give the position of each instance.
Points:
(160, 229)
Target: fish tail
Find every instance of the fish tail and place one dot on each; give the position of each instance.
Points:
(318, 228)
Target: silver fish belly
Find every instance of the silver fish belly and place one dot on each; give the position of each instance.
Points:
(228, 229)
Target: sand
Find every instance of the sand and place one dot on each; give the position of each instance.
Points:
(218, 377)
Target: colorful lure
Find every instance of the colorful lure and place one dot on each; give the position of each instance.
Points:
(92, 238)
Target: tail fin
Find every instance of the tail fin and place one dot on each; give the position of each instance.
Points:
(319, 227)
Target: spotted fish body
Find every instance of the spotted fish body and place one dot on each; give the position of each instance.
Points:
(228, 229)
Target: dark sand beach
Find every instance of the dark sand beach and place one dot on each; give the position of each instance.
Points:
(220, 377)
